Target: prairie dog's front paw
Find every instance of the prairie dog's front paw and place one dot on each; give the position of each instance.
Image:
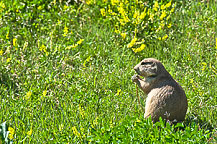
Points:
(135, 78)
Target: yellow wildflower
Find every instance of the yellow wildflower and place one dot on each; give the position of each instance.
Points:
(216, 43)
(2, 5)
(81, 110)
(165, 37)
(114, 14)
(102, 12)
(162, 7)
(133, 41)
(14, 42)
(65, 7)
(29, 133)
(123, 13)
(87, 60)
(95, 122)
(143, 14)
(72, 46)
(59, 22)
(75, 131)
(138, 120)
(8, 60)
(117, 31)
(203, 66)
(54, 2)
(136, 30)
(80, 41)
(192, 81)
(114, 2)
(163, 15)
(136, 50)
(118, 92)
(169, 25)
(40, 8)
(110, 11)
(189, 57)
(168, 4)
(28, 95)
(201, 92)
(172, 10)
(158, 29)
(43, 48)
(88, 2)
(126, 19)
(122, 22)
(65, 30)
(136, 14)
(11, 133)
(44, 93)
(111, 124)
(123, 35)
(156, 6)
(1, 52)
(168, 17)
(7, 36)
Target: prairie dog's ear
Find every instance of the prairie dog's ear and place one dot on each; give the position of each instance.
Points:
(154, 66)
(146, 63)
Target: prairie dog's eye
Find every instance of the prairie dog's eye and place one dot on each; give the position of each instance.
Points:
(146, 63)
(143, 63)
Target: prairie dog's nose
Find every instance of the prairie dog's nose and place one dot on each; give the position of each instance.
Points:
(136, 68)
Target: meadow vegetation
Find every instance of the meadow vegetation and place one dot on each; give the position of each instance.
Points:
(66, 68)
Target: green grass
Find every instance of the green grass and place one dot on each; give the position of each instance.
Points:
(89, 88)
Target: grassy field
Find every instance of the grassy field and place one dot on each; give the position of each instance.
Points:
(65, 72)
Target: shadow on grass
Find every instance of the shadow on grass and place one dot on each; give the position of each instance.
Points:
(202, 124)
(194, 118)
(8, 82)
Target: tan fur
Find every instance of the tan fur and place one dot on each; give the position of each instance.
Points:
(165, 97)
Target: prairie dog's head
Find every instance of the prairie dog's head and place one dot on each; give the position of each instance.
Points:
(150, 68)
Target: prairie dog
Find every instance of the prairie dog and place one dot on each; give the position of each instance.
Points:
(165, 97)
